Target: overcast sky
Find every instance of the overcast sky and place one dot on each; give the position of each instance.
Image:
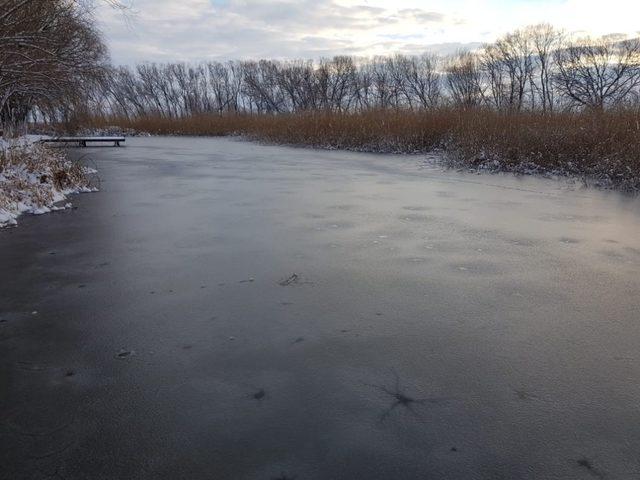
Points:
(190, 30)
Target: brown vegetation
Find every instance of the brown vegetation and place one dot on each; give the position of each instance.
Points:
(51, 166)
(601, 145)
(34, 179)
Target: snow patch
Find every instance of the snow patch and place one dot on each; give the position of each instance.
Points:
(35, 179)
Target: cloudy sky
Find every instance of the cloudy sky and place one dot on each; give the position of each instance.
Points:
(190, 30)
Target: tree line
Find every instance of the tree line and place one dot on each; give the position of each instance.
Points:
(52, 57)
(54, 66)
(537, 68)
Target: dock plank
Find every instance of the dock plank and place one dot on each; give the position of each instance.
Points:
(82, 141)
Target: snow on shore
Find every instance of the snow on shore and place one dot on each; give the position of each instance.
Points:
(36, 179)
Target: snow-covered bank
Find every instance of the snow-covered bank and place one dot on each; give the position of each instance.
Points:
(36, 179)
(112, 130)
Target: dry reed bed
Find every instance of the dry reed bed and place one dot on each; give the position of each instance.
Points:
(599, 146)
(33, 179)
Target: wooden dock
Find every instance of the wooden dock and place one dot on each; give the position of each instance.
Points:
(82, 141)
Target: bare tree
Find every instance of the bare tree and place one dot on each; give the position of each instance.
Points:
(546, 40)
(464, 80)
(598, 73)
(261, 86)
(50, 55)
(509, 66)
(532, 68)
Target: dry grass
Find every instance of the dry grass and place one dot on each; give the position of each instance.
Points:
(33, 178)
(596, 145)
(602, 145)
(385, 131)
(52, 166)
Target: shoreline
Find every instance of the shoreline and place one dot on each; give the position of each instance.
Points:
(599, 148)
(36, 180)
(448, 160)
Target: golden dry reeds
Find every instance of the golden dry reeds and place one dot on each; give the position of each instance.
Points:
(599, 144)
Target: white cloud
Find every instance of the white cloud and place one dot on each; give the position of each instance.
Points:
(165, 30)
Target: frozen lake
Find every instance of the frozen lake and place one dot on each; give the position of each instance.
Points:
(225, 310)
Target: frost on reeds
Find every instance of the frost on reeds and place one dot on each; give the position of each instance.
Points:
(601, 147)
(36, 179)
